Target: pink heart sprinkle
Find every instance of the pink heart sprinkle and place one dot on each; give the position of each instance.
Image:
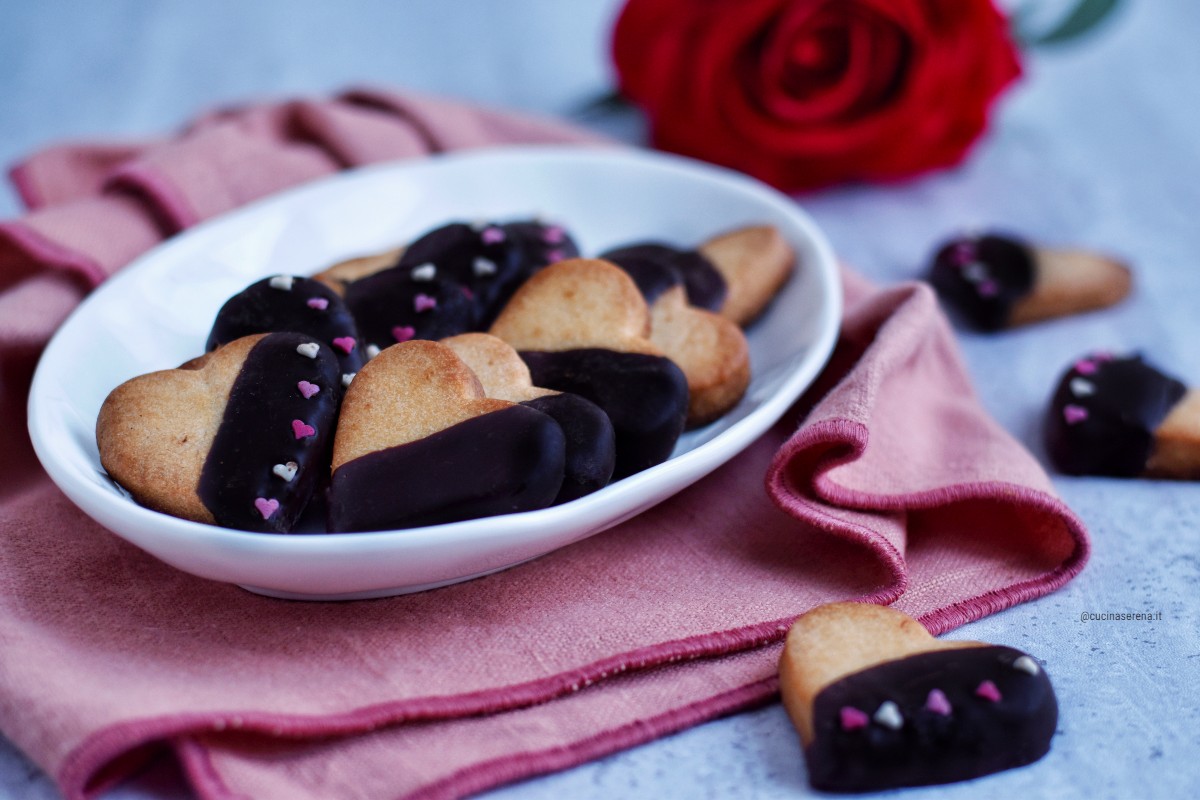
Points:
(988, 691)
(852, 719)
(307, 389)
(963, 252)
(467, 293)
(345, 343)
(988, 288)
(492, 236)
(301, 429)
(555, 256)
(938, 703)
(1085, 366)
(266, 507)
(1103, 355)
(423, 302)
(1074, 414)
(402, 333)
(319, 303)
(553, 234)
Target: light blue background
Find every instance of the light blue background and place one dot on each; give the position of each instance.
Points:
(1098, 146)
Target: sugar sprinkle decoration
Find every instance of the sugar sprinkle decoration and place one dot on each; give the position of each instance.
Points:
(402, 333)
(482, 267)
(347, 377)
(424, 272)
(423, 302)
(555, 256)
(1027, 664)
(286, 471)
(492, 235)
(1074, 414)
(938, 703)
(988, 288)
(372, 351)
(466, 292)
(302, 429)
(319, 303)
(852, 719)
(307, 389)
(345, 343)
(282, 282)
(1085, 366)
(308, 349)
(1082, 388)
(266, 507)
(553, 234)
(888, 715)
(963, 252)
(988, 691)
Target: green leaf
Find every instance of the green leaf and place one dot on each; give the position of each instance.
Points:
(1083, 18)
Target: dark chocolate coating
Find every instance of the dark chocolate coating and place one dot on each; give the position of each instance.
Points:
(704, 284)
(262, 308)
(454, 249)
(497, 463)
(653, 276)
(645, 397)
(256, 433)
(976, 738)
(591, 447)
(982, 277)
(1111, 427)
(388, 300)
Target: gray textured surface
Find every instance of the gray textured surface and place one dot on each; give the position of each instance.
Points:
(1096, 147)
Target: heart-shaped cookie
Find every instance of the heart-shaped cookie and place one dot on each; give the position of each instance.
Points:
(419, 443)
(238, 438)
(582, 327)
(710, 349)
(755, 262)
(291, 303)
(590, 441)
(879, 703)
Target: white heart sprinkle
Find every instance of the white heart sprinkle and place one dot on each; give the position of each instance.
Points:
(308, 349)
(372, 351)
(1027, 664)
(975, 272)
(484, 267)
(286, 471)
(888, 715)
(347, 377)
(283, 282)
(424, 272)
(479, 224)
(1082, 388)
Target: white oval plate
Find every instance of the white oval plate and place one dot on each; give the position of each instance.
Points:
(156, 313)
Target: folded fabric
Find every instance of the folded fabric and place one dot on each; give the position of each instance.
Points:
(887, 483)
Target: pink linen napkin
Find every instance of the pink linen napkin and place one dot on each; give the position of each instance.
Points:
(888, 483)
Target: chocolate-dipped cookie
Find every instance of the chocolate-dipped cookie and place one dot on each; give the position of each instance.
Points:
(1123, 417)
(590, 441)
(419, 443)
(755, 262)
(238, 438)
(710, 349)
(291, 303)
(999, 282)
(879, 703)
(655, 267)
(582, 327)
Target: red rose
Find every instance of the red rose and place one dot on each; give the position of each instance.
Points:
(805, 93)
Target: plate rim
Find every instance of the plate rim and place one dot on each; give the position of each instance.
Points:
(701, 460)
